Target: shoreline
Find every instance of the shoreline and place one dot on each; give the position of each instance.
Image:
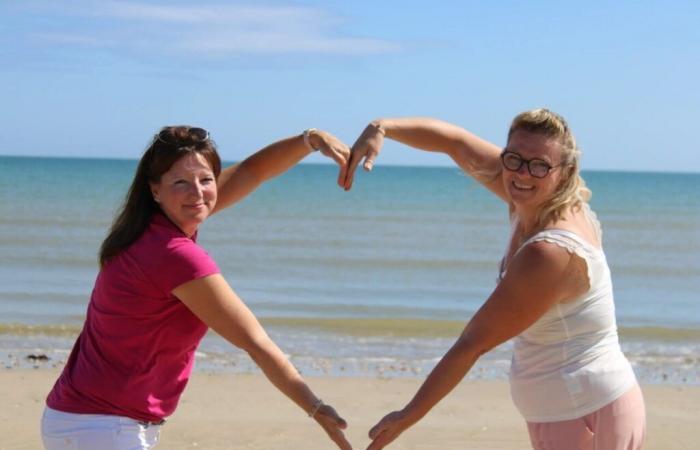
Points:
(366, 327)
(218, 411)
(657, 357)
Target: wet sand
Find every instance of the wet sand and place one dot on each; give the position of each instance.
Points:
(223, 411)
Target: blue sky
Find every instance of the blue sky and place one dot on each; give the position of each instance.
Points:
(97, 78)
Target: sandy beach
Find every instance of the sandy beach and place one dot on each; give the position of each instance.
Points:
(223, 411)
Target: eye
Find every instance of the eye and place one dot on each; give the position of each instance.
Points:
(207, 179)
(539, 167)
(512, 161)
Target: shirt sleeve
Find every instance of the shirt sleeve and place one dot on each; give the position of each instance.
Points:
(182, 262)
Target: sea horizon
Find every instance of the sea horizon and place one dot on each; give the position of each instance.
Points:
(447, 165)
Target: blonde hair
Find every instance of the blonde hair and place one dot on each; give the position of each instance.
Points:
(572, 191)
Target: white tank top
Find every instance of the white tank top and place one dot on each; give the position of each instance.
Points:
(569, 363)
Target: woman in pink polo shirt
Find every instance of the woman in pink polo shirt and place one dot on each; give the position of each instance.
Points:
(158, 292)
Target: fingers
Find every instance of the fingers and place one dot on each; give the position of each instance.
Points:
(334, 424)
(339, 421)
(337, 436)
(381, 440)
(339, 154)
(388, 429)
(355, 158)
(330, 413)
(342, 161)
(340, 440)
(367, 146)
(369, 160)
(342, 173)
(375, 430)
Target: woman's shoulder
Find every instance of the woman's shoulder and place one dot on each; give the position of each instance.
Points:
(563, 255)
(162, 245)
(168, 257)
(546, 264)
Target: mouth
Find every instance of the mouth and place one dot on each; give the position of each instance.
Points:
(522, 187)
(196, 206)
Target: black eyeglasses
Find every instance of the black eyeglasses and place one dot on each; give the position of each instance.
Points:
(195, 134)
(538, 168)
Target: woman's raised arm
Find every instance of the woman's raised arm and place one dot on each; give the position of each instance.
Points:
(476, 156)
(237, 181)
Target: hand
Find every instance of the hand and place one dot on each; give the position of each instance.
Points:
(388, 429)
(367, 146)
(333, 148)
(334, 425)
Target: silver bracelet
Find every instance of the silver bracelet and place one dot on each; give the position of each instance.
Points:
(307, 142)
(317, 405)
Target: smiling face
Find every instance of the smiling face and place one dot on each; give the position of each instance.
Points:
(529, 193)
(187, 192)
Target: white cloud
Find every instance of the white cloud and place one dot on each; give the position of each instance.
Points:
(212, 30)
(212, 14)
(279, 42)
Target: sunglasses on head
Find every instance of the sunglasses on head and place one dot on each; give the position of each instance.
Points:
(538, 168)
(196, 134)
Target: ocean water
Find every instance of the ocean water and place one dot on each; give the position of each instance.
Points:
(379, 280)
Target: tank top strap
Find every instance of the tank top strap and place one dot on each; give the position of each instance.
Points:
(568, 240)
(593, 219)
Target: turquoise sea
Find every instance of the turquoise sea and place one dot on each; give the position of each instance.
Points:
(376, 281)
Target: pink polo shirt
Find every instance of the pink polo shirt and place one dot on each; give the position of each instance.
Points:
(135, 353)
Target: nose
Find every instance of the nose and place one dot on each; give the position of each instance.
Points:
(523, 169)
(196, 189)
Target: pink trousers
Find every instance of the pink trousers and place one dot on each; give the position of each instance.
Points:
(620, 425)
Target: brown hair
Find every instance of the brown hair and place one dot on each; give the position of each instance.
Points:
(168, 146)
(572, 191)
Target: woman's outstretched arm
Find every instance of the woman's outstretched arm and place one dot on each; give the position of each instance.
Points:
(541, 275)
(214, 302)
(476, 156)
(239, 180)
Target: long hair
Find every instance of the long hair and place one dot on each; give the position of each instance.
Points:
(168, 146)
(572, 191)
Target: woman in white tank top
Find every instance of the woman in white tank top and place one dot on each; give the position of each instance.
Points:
(569, 378)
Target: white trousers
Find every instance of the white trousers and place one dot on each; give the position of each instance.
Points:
(67, 431)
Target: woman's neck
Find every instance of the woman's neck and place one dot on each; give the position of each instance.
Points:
(187, 233)
(526, 221)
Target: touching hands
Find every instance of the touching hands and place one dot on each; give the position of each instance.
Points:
(367, 146)
(334, 425)
(333, 148)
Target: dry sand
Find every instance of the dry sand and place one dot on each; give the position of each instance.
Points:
(222, 411)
